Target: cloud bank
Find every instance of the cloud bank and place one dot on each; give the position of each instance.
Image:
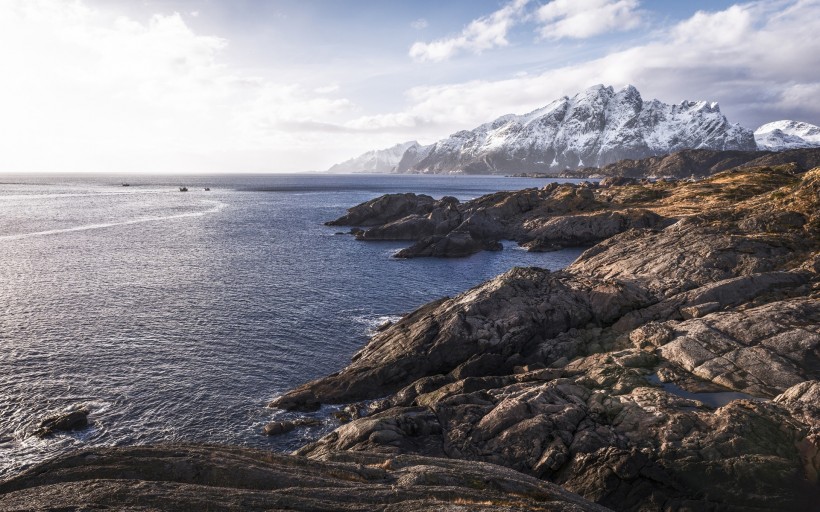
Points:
(558, 19)
(481, 34)
(85, 90)
(760, 60)
(580, 19)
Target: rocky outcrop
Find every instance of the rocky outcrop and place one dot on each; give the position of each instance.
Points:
(600, 428)
(276, 428)
(760, 351)
(573, 215)
(548, 234)
(539, 219)
(182, 478)
(452, 245)
(64, 422)
(673, 366)
(507, 316)
(385, 209)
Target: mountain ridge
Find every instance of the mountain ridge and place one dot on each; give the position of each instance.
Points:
(378, 160)
(787, 134)
(593, 129)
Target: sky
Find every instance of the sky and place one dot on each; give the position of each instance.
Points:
(295, 85)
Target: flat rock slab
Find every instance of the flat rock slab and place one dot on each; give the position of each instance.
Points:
(196, 477)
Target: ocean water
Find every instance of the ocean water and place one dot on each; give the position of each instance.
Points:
(176, 317)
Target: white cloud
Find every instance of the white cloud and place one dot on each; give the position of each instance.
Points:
(327, 89)
(83, 89)
(481, 34)
(761, 61)
(580, 19)
(420, 24)
(576, 19)
(800, 96)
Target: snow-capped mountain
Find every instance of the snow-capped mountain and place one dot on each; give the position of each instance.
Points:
(380, 160)
(782, 135)
(412, 156)
(593, 128)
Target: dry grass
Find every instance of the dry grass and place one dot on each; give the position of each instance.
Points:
(724, 190)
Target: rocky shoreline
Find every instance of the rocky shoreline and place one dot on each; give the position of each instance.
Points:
(674, 366)
(591, 377)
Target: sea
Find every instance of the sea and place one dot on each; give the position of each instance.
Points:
(177, 316)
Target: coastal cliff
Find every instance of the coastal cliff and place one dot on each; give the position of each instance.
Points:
(672, 366)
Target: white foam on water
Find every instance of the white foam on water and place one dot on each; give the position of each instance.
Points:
(371, 323)
(20, 236)
(82, 194)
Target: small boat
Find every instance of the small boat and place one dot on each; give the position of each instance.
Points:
(207, 189)
(183, 189)
(126, 184)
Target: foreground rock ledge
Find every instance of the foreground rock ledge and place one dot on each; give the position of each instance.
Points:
(195, 477)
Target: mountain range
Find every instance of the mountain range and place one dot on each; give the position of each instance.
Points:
(594, 128)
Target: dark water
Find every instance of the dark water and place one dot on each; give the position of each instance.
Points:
(713, 400)
(178, 316)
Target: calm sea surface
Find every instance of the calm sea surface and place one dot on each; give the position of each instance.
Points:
(177, 316)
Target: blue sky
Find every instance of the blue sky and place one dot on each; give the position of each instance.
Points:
(255, 86)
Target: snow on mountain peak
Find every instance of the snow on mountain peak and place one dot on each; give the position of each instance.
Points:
(595, 127)
(787, 134)
(380, 160)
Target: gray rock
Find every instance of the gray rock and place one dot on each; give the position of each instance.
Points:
(583, 230)
(385, 209)
(187, 477)
(761, 351)
(447, 228)
(64, 422)
(453, 245)
(508, 315)
(276, 428)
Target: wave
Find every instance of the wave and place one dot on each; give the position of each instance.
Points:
(218, 206)
(58, 195)
(372, 323)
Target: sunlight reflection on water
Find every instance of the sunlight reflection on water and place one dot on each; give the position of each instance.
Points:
(177, 316)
